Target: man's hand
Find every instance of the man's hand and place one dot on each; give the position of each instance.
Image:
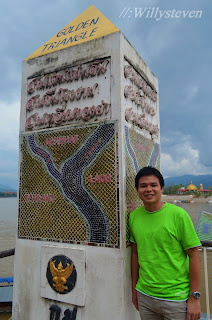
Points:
(135, 298)
(134, 273)
(193, 309)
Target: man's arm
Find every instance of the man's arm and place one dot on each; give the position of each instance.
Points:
(193, 304)
(134, 273)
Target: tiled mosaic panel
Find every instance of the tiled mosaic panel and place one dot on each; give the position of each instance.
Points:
(77, 167)
(140, 152)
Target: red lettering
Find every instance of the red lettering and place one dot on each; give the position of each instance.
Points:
(108, 178)
(86, 114)
(64, 139)
(91, 179)
(30, 87)
(76, 138)
(70, 139)
(48, 141)
(50, 119)
(47, 198)
(27, 197)
(52, 199)
(96, 178)
(102, 178)
(59, 140)
(89, 70)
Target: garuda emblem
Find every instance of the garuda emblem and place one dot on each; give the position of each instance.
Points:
(61, 274)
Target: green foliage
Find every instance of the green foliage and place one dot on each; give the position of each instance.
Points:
(210, 188)
(172, 189)
(197, 194)
(3, 195)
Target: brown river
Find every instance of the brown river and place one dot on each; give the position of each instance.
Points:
(8, 227)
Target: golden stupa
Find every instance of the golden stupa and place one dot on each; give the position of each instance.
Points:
(191, 187)
(201, 186)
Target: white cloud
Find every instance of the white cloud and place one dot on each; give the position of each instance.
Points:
(185, 160)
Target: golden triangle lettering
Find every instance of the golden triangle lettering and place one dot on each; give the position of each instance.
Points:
(89, 25)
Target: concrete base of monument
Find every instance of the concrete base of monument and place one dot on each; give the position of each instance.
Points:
(60, 282)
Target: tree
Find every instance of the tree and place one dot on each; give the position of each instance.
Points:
(171, 189)
(210, 188)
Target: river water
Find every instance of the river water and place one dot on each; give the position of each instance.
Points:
(8, 226)
(7, 233)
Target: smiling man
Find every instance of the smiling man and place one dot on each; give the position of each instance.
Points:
(165, 261)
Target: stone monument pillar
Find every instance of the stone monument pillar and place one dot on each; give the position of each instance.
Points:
(89, 121)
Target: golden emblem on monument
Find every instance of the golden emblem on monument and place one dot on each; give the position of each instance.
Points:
(61, 274)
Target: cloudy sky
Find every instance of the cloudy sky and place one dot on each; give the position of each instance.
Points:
(176, 46)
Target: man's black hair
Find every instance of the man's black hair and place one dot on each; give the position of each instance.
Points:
(147, 171)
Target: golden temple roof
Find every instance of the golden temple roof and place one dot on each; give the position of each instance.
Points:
(191, 187)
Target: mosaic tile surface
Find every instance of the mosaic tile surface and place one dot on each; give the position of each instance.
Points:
(204, 226)
(68, 187)
(139, 152)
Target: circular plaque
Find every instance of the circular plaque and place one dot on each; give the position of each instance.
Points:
(61, 274)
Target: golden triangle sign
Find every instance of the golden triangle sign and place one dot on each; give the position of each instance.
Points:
(89, 25)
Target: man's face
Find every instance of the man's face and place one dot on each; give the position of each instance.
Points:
(149, 190)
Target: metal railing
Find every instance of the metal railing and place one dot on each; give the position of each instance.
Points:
(205, 245)
(7, 253)
(4, 254)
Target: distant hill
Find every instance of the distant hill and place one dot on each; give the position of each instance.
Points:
(4, 188)
(206, 180)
